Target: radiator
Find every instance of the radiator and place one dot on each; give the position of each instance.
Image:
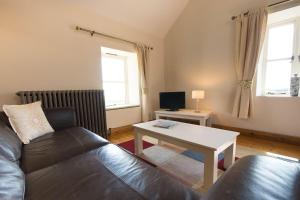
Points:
(89, 105)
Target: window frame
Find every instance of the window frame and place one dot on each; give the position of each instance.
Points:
(295, 60)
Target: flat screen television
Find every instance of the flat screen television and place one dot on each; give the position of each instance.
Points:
(172, 100)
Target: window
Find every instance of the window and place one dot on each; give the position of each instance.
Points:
(120, 78)
(280, 58)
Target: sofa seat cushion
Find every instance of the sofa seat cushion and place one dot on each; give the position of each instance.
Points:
(104, 173)
(258, 177)
(12, 180)
(55, 147)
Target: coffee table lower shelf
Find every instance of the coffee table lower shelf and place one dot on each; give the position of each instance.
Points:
(210, 154)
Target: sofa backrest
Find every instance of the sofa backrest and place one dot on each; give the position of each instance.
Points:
(10, 144)
(61, 118)
(4, 119)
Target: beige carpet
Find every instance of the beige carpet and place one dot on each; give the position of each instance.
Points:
(187, 170)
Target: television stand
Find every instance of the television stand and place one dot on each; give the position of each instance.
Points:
(172, 110)
(203, 117)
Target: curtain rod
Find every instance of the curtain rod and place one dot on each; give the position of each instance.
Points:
(105, 35)
(269, 6)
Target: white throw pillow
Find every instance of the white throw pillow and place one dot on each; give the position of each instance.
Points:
(28, 121)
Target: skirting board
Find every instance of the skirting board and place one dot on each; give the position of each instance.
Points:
(262, 134)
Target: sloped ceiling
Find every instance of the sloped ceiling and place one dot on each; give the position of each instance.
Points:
(154, 17)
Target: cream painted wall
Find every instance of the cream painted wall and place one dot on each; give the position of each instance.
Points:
(200, 54)
(39, 50)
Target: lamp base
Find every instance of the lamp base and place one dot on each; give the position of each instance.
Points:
(197, 106)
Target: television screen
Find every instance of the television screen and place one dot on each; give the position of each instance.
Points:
(172, 100)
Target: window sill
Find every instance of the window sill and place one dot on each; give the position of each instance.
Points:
(119, 107)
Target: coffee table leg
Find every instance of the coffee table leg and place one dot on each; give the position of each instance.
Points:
(157, 116)
(210, 169)
(229, 155)
(138, 143)
(202, 122)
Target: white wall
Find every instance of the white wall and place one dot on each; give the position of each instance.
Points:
(200, 54)
(39, 50)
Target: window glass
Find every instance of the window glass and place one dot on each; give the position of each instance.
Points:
(114, 93)
(113, 69)
(278, 75)
(120, 78)
(280, 44)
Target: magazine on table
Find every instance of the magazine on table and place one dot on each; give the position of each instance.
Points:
(165, 124)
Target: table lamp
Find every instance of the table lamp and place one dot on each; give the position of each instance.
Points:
(198, 94)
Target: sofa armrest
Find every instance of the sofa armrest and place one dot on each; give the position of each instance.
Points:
(258, 177)
(61, 118)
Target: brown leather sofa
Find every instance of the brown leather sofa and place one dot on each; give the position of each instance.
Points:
(74, 163)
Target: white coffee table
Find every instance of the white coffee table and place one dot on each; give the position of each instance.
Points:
(209, 141)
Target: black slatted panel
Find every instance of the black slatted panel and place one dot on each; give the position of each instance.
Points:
(45, 100)
(89, 105)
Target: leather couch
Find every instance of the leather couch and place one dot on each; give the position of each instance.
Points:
(258, 177)
(74, 163)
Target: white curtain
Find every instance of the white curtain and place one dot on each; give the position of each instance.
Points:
(143, 52)
(250, 32)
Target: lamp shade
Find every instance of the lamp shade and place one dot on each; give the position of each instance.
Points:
(198, 94)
